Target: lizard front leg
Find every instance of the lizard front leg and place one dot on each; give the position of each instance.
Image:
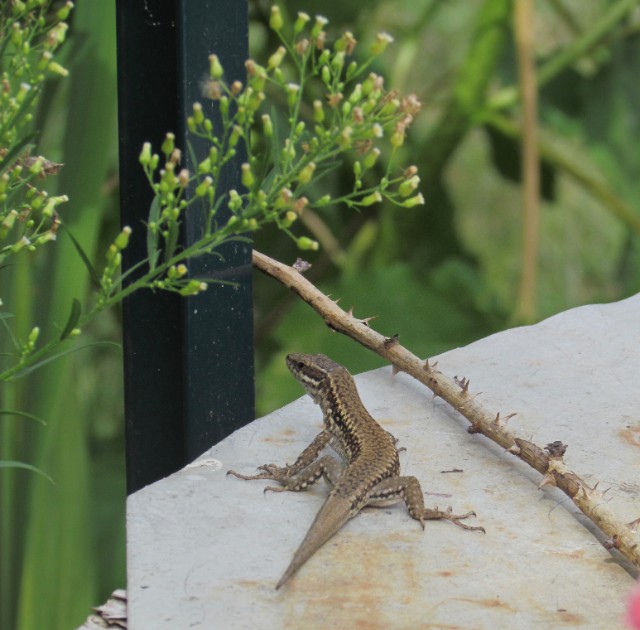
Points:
(407, 489)
(305, 471)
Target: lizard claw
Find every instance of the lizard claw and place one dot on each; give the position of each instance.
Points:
(436, 514)
(456, 518)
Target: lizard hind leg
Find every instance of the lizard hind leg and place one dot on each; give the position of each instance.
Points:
(407, 489)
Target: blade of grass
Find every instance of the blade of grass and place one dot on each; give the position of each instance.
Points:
(59, 578)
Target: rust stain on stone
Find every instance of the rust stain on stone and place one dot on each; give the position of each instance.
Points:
(571, 618)
(631, 434)
(488, 603)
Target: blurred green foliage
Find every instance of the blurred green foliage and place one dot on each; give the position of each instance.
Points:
(439, 275)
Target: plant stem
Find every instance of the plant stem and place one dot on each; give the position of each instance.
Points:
(525, 310)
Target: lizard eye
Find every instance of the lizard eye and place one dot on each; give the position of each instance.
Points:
(299, 365)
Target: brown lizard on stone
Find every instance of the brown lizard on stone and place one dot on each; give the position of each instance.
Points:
(370, 473)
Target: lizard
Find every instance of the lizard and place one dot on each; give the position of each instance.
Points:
(370, 469)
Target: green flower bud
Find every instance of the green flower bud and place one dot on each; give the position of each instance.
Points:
(235, 201)
(56, 68)
(45, 238)
(224, 105)
(38, 166)
(7, 223)
(215, 67)
(337, 63)
(63, 13)
(306, 173)
(292, 90)
(370, 159)
(318, 111)
(397, 138)
(408, 186)
(418, 200)
(25, 88)
(369, 200)
(198, 115)
(33, 336)
(122, 240)
(59, 33)
(203, 187)
(246, 177)
(304, 242)
(300, 22)
(289, 218)
(344, 139)
(234, 137)
(23, 242)
(169, 144)
(380, 44)
(390, 108)
(193, 287)
(276, 58)
(145, 154)
(319, 24)
(356, 95)
(267, 125)
(289, 151)
(275, 20)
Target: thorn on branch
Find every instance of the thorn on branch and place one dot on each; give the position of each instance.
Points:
(389, 342)
(463, 384)
(365, 320)
(556, 449)
(301, 265)
(395, 370)
(503, 421)
(633, 525)
(612, 543)
(547, 480)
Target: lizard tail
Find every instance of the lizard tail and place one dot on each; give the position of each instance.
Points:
(335, 512)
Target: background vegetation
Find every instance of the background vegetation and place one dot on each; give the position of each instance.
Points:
(440, 275)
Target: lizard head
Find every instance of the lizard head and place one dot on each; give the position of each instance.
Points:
(312, 370)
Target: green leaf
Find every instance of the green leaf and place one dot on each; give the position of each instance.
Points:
(22, 414)
(95, 278)
(74, 316)
(152, 238)
(12, 464)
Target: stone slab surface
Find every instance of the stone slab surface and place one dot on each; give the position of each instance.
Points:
(206, 550)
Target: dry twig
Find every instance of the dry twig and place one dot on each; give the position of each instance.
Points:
(547, 461)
